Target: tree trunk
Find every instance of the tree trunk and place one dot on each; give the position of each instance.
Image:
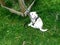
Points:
(24, 10)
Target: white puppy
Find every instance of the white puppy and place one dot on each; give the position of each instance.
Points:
(36, 21)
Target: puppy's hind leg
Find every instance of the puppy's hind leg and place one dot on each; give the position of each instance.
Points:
(33, 26)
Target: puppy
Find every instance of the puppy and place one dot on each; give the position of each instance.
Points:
(36, 21)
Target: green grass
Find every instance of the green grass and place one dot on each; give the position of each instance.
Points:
(13, 32)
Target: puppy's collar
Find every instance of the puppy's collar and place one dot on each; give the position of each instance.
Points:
(35, 20)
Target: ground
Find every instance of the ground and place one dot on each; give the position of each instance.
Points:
(13, 31)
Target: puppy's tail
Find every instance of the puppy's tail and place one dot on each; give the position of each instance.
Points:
(43, 30)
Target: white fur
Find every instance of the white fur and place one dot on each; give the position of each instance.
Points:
(38, 23)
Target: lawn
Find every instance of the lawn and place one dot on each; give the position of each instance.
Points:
(13, 31)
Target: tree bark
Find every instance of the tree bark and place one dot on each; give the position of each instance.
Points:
(2, 2)
(22, 5)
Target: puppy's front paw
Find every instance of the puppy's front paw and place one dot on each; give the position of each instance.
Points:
(29, 25)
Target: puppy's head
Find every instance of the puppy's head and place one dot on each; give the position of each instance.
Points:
(33, 15)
